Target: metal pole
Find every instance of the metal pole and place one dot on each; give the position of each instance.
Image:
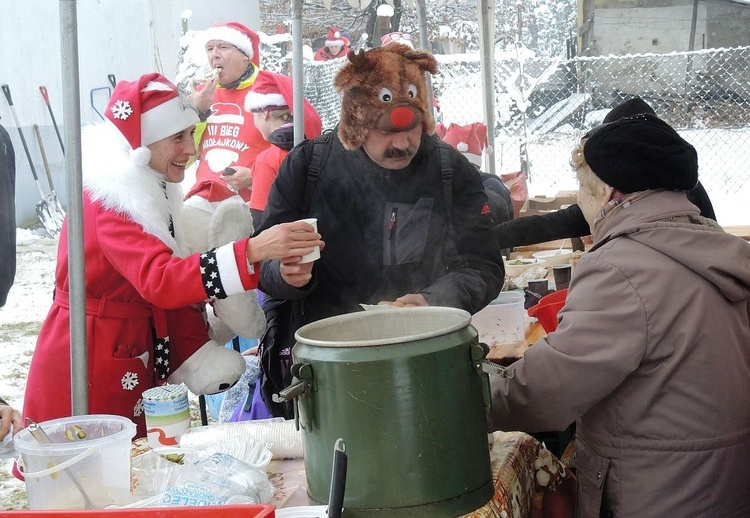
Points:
(72, 121)
(424, 43)
(298, 76)
(486, 16)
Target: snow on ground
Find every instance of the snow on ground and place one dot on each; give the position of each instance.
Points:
(20, 320)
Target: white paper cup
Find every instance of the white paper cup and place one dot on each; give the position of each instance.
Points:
(315, 254)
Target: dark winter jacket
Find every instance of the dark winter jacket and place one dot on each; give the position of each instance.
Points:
(569, 222)
(7, 215)
(386, 232)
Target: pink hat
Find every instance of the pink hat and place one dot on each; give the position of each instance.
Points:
(148, 110)
(396, 37)
(246, 40)
(335, 38)
(271, 91)
(471, 140)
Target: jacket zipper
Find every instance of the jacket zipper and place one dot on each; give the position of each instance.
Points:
(392, 234)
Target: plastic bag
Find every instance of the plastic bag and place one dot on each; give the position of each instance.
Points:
(192, 478)
(7, 448)
(519, 191)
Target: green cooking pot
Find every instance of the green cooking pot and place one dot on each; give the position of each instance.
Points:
(404, 388)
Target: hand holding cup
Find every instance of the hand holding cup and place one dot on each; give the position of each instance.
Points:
(288, 241)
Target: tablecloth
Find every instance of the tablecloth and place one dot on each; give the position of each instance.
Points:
(529, 481)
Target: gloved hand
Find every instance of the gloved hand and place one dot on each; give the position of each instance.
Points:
(211, 369)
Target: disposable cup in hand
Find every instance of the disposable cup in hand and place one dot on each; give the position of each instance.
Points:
(315, 254)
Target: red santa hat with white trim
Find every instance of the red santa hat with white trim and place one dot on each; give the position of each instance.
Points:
(271, 91)
(234, 33)
(335, 38)
(148, 110)
(470, 140)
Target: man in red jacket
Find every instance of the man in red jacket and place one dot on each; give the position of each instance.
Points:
(228, 139)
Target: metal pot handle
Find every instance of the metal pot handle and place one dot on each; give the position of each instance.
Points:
(302, 383)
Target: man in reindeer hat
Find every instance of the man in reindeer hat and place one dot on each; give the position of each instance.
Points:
(404, 216)
(229, 140)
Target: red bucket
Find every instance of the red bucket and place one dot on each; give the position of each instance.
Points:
(547, 308)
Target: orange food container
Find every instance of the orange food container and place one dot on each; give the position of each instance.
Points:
(547, 308)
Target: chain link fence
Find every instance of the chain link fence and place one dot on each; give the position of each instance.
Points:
(544, 105)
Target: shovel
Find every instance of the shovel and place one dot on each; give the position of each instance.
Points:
(47, 214)
(58, 213)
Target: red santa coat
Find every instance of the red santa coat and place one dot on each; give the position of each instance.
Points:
(230, 137)
(137, 286)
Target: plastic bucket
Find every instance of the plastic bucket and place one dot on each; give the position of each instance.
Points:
(86, 466)
(502, 321)
(547, 309)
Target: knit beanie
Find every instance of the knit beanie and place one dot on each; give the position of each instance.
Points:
(628, 108)
(641, 152)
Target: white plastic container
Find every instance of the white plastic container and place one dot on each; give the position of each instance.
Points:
(502, 321)
(85, 472)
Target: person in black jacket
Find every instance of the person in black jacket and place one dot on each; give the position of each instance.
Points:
(404, 216)
(471, 141)
(569, 222)
(7, 215)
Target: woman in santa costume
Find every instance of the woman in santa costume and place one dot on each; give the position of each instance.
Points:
(144, 293)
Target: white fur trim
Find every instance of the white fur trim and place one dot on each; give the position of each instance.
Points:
(462, 147)
(113, 179)
(474, 159)
(259, 102)
(227, 265)
(231, 36)
(165, 120)
(140, 156)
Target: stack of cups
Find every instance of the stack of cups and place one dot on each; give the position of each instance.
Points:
(167, 414)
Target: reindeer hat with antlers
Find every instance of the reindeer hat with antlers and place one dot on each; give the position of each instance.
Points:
(384, 88)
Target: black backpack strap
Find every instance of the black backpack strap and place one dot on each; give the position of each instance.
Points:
(321, 147)
(446, 174)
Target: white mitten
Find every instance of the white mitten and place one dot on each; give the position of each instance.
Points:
(242, 314)
(218, 331)
(212, 368)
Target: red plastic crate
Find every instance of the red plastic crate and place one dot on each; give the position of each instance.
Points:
(224, 511)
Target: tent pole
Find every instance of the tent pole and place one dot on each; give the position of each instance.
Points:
(424, 43)
(72, 120)
(486, 16)
(298, 72)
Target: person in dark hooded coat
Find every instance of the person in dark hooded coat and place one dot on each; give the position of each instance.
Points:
(570, 222)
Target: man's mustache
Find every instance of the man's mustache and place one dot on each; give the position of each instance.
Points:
(399, 153)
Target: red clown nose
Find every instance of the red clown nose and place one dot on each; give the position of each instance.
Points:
(402, 117)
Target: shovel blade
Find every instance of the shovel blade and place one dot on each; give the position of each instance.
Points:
(55, 209)
(49, 218)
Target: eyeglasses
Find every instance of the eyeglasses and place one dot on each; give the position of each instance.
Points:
(400, 36)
